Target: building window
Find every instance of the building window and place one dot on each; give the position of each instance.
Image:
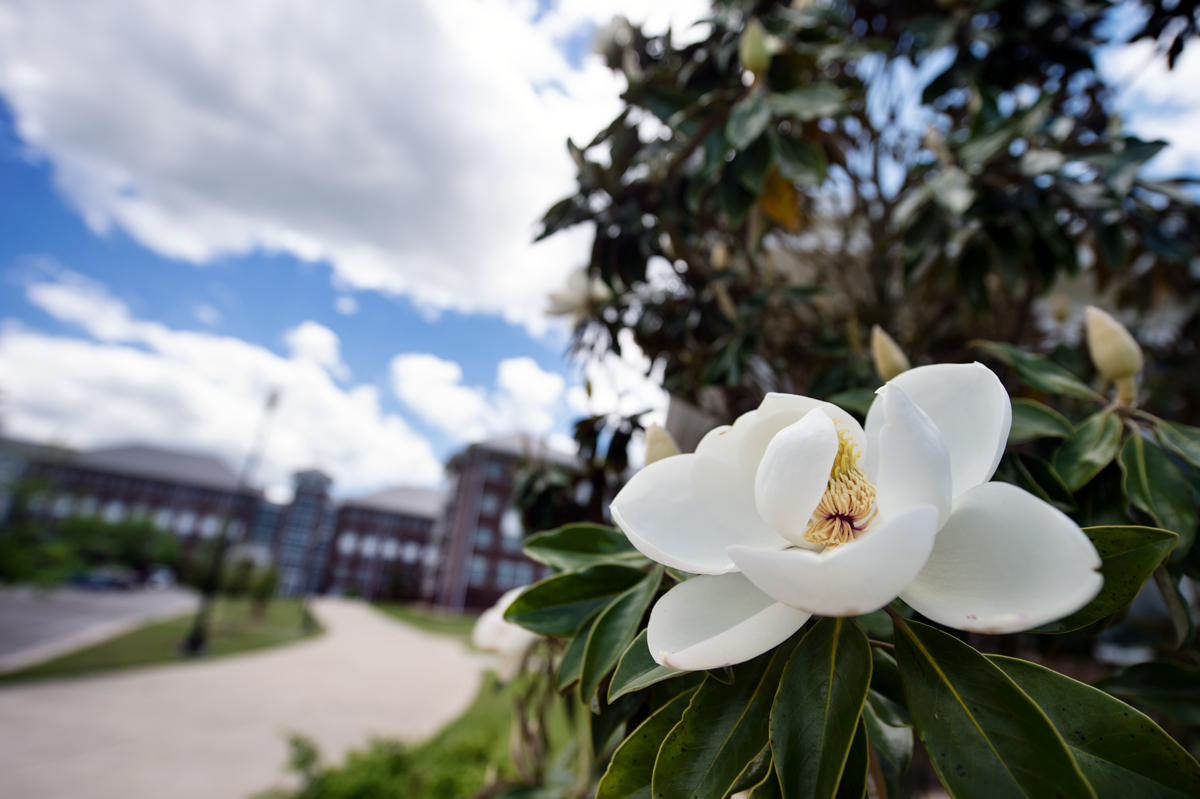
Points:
(63, 506)
(489, 505)
(370, 546)
(89, 506)
(162, 518)
(114, 511)
(483, 537)
(184, 522)
(411, 552)
(523, 574)
(505, 574)
(346, 543)
(479, 570)
(210, 525)
(237, 528)
(511, 531)
(496, 471)
(391, 548)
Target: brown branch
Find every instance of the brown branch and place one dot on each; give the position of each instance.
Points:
(884, 645)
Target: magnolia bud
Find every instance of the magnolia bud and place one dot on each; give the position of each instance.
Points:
(1115, 352)
(753, 49)
(659, 444)
(720, 256)
(889, 359)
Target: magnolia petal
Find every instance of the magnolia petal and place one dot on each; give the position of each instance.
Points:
(720, 443)
(914, 464)
(794, 474)
(858, 577)
(712, 621)
(968, 404)
(684, 511)
(1005, 561)
(778, 411)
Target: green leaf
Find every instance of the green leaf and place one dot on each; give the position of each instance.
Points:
(889, 730)
(1178, 607)
(1120, 751)
(636, 669)
(1038, 477)
(722, 731)
(613, 631)
(769, 789)
(1039, 371)
(854, 399)
(754, 773)
(747, 119)
(1093, 447)
(1165, 686)
(1156, 487)
(1184, 441)
(632, 766)
(985, 737)
(1129, 556)
(572, 659)
(817, 707)
(1032, 420)
(559, 605)
(799, 160)
(885, 677)
(577, 545)
(811, 102)
(853, 784)
(608, 720)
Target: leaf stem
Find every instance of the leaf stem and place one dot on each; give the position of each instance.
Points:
(884, 645)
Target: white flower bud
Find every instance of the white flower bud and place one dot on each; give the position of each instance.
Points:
(659, 444)
(889, 359)
(754, 48)
(1115, 352)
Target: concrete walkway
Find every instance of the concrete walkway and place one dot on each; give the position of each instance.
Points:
(40, 625)
(215, 730)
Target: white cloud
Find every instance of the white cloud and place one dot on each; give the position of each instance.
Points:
(346, 305)
(207, 314)
(622, 384)
(525, 397)
(139, 381)
(413, 145)
(313, 342)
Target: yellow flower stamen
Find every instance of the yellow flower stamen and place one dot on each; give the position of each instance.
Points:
(849, 502)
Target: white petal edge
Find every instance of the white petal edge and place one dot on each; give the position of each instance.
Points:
(1004, 562)
(778, 411)
(684, 511)
(849, 580)
(914, 464)
(711, 621)
(794, 474)
(968, 404)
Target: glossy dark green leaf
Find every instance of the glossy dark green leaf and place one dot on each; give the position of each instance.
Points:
(1032, 420)
(1178, 606)
(1093, 447)
(1181, 439)
(810, 102)
(608, 721)
(577, 545)
(632, 766)
(636, 669)
(558, 606)
(755, 772)
(613, 631)
(1129, 555)
(724, 728)
(984, 736)
(1156, 487)
(1039, 477)
(769, 789)
(1165, 686)
(885, 677)
(816, 710)
(1120, 751)
(858, 400)
(747, 119)
(1039, 371)
(889, 729)
(853, 784)
(877, 625)
(572, 659)
(799, 160)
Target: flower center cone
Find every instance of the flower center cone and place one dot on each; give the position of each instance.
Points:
(848, 506)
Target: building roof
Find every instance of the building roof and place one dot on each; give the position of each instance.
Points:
(404, 501)
(201, 471)
(520, 445)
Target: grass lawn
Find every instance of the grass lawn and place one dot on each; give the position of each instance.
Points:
(460, 626)
(233, 630)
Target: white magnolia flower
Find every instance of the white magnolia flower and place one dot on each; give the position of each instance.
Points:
(510, 641)
(795, 510)
(578, 296)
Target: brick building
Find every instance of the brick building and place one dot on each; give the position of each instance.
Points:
(381, 544)
(478, 539)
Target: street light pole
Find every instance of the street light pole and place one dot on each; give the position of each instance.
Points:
(196, 642)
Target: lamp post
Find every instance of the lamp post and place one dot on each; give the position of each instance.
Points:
(196, 642)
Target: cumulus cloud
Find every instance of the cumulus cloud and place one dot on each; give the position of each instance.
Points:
(313, 342)
(525, 398)
(346, 305)
(140, 381)
(412, 145)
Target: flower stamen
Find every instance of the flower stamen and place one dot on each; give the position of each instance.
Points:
(848, 506)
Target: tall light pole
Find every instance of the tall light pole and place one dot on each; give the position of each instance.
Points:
(196, 642)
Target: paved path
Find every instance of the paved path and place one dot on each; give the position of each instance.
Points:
(39, 625)
(215, 730)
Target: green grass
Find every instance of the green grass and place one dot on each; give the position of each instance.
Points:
(233, 630)
(459, 626)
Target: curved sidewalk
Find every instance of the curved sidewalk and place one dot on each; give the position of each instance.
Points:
(216, 730)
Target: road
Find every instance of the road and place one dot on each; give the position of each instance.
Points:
(216, 729)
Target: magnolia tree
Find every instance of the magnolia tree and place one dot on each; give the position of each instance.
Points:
(875, 576)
